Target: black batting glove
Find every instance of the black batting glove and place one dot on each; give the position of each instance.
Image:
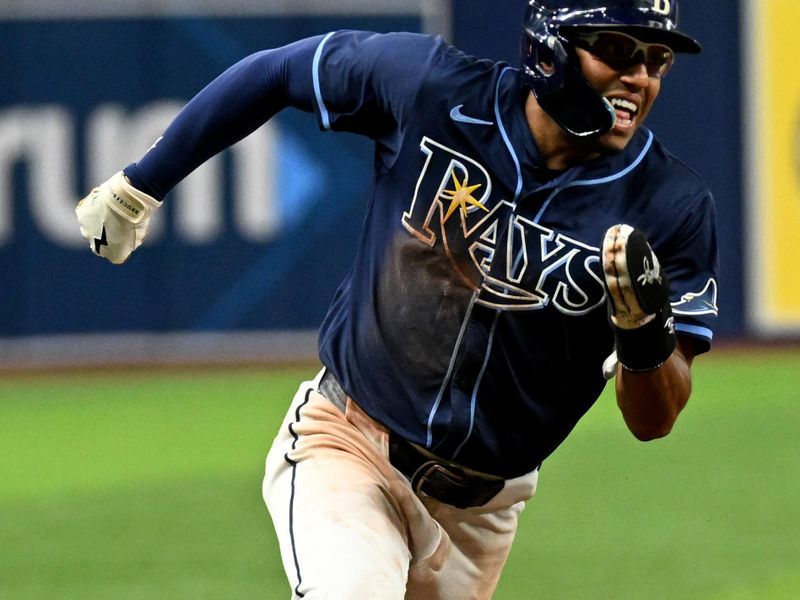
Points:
(638, 300)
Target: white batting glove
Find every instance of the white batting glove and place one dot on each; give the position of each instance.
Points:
(114, 218)
(638, 300)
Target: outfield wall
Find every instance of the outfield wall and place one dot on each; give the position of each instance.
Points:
(87, 87)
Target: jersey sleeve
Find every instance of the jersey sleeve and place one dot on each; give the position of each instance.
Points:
(366, 82)
(355, 81)
(229, 108)
(692, 266)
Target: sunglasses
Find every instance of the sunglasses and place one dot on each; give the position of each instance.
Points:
(621, 51)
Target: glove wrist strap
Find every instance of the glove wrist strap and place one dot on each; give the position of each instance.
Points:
(128, 202)
(649, 346)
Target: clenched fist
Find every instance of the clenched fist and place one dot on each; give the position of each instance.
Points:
(638, 300)
(114, 218)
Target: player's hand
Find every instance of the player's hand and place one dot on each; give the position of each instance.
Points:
(638, 299)
(637, 288)
(114, 218)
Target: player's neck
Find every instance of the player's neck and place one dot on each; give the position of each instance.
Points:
(559, 150)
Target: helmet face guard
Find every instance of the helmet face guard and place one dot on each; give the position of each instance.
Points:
(550, 64)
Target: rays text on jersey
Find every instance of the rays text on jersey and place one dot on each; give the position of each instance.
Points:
(516, 263)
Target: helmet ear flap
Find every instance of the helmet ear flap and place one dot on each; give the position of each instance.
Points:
(551, 69)
(551, 57)
(542, 50)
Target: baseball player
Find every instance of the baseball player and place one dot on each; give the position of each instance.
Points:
(527, 239)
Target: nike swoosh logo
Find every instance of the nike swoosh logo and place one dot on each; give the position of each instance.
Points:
(457, 115)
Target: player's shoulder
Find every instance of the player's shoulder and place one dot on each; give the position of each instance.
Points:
(658, 173)
(408, 54)
(674, 170)
(401, 48)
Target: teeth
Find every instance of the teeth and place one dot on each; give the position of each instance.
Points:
(624, 105)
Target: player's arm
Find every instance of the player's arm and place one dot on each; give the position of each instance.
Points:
(653, 376)
(115, 215)
(650, 401)
(228, 109)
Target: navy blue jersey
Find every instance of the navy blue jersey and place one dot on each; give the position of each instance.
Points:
(473, 321)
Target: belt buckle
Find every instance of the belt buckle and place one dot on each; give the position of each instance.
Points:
(448, 484)
(428, 470)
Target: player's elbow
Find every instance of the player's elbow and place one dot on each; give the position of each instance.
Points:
(650, 432)
(652, 416)
(651, 424)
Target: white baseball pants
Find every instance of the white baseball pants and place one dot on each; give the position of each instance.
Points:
(350, 526)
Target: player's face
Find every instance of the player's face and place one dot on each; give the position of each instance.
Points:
(631, 91)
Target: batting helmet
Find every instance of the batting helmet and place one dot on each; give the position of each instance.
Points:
(550, 65)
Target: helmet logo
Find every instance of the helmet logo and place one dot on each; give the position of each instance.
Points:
(662, 6)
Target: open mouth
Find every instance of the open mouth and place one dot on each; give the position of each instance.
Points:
(625, 110)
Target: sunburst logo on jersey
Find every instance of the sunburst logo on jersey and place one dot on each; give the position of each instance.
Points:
(461, 197)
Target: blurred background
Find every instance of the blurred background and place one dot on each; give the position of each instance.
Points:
(239, 263)
(143, 481)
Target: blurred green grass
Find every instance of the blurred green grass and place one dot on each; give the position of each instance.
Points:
(147, 485)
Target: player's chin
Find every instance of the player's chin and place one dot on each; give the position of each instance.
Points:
(616, 140)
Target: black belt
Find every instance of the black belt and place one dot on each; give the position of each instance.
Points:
(437, 478)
